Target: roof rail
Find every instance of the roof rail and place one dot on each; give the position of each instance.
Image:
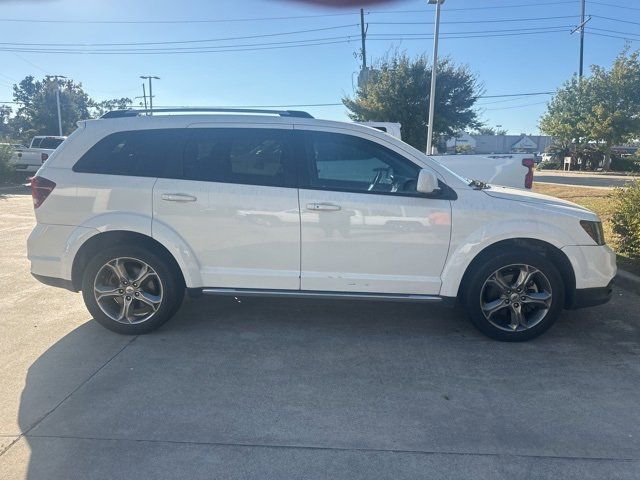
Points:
(130, 112)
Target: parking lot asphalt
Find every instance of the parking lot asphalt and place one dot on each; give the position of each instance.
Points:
(273, 389)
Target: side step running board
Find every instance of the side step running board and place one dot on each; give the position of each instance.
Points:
(390, 297)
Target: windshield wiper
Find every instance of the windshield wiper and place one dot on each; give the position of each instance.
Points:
(478, 185)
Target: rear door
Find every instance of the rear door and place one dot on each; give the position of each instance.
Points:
(235, 204)
(365, 228)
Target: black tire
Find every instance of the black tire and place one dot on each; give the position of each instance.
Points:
(475, 292)
(169, 279)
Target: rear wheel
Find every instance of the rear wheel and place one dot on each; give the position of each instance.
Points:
(514, 296)
(130, 290)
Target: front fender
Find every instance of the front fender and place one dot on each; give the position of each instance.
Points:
(464, 250)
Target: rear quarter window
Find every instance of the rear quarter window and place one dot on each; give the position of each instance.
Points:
(142, 153)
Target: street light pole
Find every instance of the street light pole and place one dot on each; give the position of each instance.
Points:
(434, 74)
(55, 79)
(150, 77)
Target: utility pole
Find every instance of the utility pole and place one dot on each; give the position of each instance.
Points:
(583, 22)
(55, 79)
(363, 77)
(144, 95)
(150, 77)
(363, 34)
(434, 74)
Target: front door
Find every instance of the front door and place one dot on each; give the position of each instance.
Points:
(236, 206)
(364, 227)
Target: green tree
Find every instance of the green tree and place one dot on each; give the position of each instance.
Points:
(398, 91)
(37, 113)
(486, 130)
(5, 128)
(614, 117)
(596, 113)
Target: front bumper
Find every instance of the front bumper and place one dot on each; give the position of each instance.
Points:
(55, 282)
(590, 297)
(594, 266)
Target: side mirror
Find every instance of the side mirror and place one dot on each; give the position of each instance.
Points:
(427, 182)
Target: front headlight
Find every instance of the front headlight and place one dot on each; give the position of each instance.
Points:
(594, 229)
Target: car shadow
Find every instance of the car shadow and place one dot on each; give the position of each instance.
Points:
(343, 374)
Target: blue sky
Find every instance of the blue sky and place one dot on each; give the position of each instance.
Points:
(517, 62)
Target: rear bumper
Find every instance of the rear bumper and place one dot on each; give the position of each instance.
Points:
(590, 297)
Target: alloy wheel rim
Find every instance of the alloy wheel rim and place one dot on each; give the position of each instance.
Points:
(516, 298)
(128, 290)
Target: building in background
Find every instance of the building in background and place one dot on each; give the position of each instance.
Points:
(497, 144)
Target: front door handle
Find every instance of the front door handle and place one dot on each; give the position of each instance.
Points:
(178, 197)
(326, 207)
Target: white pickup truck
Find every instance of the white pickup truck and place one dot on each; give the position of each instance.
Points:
(509, 169)
(31, 159)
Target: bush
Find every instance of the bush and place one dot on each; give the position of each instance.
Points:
(6, 170)
(549, 166)
(626, 219)
(625, 164)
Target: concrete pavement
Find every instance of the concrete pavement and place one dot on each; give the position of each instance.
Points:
(582, 179)
(307, 389)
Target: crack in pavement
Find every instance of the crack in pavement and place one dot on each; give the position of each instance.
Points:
(84, 382)
(339, 449)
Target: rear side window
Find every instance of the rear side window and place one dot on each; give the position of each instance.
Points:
(142, 153)
(252, 156)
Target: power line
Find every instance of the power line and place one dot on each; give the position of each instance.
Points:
(592, 2)
(474, 36)
(515, 106)
(246, 37)
(588, 30)
(478, 21)
(538, 4)
(616, 19)
(614, 31)
(206, 49)
(264, 46)
(474, 31)
(221, 20)
(530, 94)
(347, 37)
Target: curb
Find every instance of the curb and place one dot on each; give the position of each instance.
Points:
(628, 281)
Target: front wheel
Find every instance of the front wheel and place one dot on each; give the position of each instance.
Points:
(514, 296)
(130, 290)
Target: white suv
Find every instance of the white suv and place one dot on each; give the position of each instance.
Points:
(134, 209)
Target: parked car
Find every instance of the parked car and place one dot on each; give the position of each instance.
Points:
(30, 159)
(509, 170)
(132, 209)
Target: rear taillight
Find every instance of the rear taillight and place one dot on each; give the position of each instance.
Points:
(44, 156)
(528, 179)
(40, 190)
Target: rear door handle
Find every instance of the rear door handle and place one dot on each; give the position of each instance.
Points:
(178, 197)
(327, 207)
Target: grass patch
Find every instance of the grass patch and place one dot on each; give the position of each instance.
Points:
(599, 200)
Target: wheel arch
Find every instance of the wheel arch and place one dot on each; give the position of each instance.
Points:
(556, 255)
(112, 238)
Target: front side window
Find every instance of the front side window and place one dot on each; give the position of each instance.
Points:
(252, 156)
(348, 163)
(144, 153)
